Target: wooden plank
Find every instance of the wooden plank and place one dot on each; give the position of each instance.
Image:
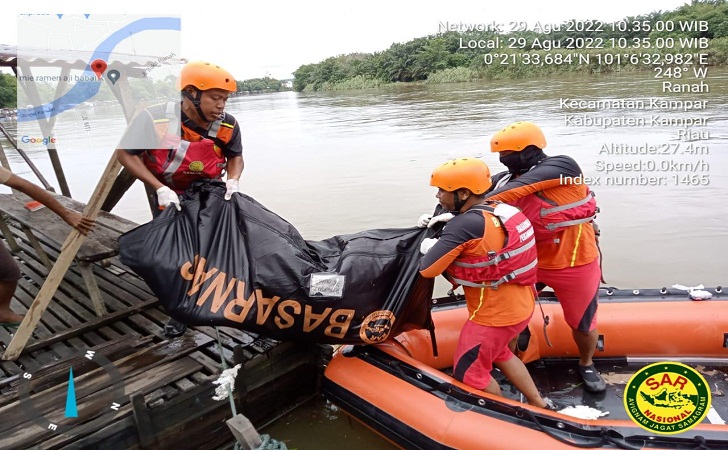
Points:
(36, 246)
(108, 319)
(133, 284)
(8, 235)
(129, 292)
(211, 365)
(92, 287)
(122, 184)
(51, 374)
(119, 435)
(143, 383)
(69, 249)
(69, 284)
(143, 421)
(244, 432)
(146, 382)
(133, 368)
(184, 422)
(22, 301)
(45, 222)
(73, 326)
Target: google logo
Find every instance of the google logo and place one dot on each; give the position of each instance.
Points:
(38, 140)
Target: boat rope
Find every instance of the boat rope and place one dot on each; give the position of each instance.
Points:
(267, 443)
(224, 367)
(543, 314)
(701, 444)
(604, 437)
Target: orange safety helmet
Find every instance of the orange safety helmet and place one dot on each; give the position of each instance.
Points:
(517, 136)
(203, 76)
(469, 173)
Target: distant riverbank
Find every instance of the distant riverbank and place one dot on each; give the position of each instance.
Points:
(668, 43)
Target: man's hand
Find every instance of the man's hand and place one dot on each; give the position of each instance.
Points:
(427, 244)
(77, 221)
(166, 196)
(424, 220)
(232, 186)
(444, 218)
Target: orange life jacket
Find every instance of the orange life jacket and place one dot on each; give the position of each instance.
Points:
(549, 219)
(197, 154)
(515, 263)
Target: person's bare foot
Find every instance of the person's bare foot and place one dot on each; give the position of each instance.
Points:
(8, 316)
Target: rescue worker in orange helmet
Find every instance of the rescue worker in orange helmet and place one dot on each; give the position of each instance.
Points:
(169, 146)
(498, 288)
(562, 211)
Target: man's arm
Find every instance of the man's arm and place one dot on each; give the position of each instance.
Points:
(234, 167)
(553, 171)
(73, 218)
(461, 232)
(135, 166)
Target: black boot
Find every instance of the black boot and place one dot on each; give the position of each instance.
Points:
(174, 328)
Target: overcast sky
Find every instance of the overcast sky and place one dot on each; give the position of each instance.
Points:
(255, 38)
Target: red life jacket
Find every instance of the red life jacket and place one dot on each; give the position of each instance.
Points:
(196, 155)
(514, 263)
(549, 219)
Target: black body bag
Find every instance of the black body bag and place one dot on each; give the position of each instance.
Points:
(237, 264)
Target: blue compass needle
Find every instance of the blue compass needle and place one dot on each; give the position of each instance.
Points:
(71, 407)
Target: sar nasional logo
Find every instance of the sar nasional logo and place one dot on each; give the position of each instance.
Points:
(377, 326)
(667, 398)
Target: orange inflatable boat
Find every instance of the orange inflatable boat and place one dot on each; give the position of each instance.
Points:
(404, 392)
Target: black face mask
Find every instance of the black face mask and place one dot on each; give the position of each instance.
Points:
(520, 162)
(513, 162)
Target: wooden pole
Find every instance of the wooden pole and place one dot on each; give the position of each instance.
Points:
(65, 258)
(244, 432)
(27, 160)
(48, 124)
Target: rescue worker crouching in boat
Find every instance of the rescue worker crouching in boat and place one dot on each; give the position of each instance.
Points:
(208, 143)
(500, 296)
(562, 210)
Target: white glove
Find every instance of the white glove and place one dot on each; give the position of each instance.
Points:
(232, 186)
(441, 218)
(427, 244)
(424, 220)
(166, 196)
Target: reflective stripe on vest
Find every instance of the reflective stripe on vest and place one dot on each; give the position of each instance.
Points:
(515, 263)
(549, 219)
(505, 279)
(575, 206)
(173, 165)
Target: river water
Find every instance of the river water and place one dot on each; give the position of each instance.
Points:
(341, 162)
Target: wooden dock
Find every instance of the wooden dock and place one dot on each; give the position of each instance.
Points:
(134, 388)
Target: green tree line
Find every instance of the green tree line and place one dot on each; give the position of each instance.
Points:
(442, 58)
(8, 91)
(141, 89)
(258, 85)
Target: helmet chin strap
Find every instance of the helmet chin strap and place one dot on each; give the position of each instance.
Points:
(458, 203)
(196, 101)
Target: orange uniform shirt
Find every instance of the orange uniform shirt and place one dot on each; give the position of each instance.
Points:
(468, 235)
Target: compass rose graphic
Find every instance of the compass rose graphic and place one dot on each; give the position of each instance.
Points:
(94, 394)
